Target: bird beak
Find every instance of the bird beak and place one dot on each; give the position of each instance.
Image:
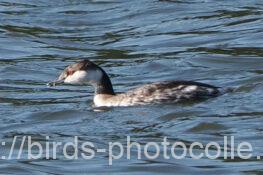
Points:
(56, 82)
(60, 80)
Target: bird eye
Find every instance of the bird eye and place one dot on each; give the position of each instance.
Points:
(70, 72)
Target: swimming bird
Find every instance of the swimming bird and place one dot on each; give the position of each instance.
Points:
(86, 71)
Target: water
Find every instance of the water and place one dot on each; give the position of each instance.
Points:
(139, 41)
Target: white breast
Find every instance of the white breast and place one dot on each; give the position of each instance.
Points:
(103, 100)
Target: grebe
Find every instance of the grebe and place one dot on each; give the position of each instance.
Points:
(86, 71)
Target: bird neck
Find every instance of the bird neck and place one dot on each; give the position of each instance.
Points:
(104, 85)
